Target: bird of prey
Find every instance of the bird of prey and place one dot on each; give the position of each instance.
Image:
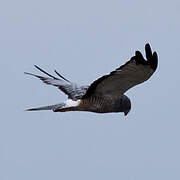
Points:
(106, 94)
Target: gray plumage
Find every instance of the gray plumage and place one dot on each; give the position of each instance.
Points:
(73, 90)
(106, 94)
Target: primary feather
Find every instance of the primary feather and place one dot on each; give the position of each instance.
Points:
(135, 71)
(73, 90)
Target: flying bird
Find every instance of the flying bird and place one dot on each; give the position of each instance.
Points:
(105, 94)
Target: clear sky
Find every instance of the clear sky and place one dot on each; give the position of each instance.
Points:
(84, 40)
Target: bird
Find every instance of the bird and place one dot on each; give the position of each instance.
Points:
(106, 94)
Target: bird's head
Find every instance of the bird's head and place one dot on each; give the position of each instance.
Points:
(127, 111)
(122, 104)
(126, 104)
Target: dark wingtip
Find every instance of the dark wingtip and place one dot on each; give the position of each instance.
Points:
(152, 58)
(139, 55)
(37, 67)
(155, 55)
(28, 73)
(154, 62)
(61, 76)
(32, 74)
(148, 52)
(44, 72)
(139, 58)
(147, 46)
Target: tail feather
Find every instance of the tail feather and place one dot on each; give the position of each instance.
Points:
(51, 107)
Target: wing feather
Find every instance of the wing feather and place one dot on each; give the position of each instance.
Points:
(73, 90)
(133, 72)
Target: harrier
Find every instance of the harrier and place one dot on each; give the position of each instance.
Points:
(105, 94)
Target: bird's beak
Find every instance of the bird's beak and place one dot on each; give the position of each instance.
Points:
(125, 113)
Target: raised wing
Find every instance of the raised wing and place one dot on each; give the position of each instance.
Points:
(73, 90)
(135, 71)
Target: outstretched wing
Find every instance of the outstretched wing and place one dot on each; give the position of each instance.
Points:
(73, 90)
(135, 71)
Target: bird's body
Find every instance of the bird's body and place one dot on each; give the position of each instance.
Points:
(96, 104)
(106, 94)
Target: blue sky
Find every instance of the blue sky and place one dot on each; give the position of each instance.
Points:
(84, 40)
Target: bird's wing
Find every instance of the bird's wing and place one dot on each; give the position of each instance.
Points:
(135, 71)
(73, 90)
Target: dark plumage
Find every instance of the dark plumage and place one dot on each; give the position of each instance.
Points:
(106, 94)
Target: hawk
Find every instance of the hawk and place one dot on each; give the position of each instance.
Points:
(106, 94)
